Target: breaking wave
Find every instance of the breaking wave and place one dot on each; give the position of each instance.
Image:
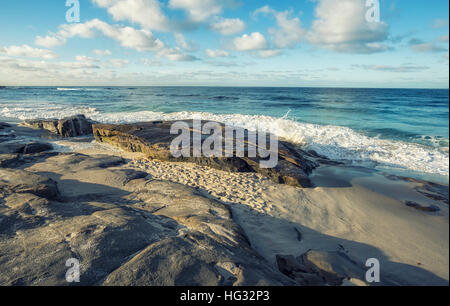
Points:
(335, 142)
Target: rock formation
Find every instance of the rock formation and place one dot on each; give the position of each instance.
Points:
(123, 227)
(319, 268)
(25, 148)
(67, 127)
(154, 139)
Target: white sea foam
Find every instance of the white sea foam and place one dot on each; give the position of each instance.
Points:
(334, 142)
(69, 89)
(44, 111)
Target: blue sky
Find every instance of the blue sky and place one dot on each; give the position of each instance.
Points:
(327, 43)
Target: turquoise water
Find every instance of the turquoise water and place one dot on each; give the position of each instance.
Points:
(400, 129)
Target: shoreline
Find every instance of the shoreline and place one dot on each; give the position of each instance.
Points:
(396, 171)
(351, 209)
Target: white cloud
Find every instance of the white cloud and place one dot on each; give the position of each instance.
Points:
(269, 53)
(27, 51)
(289, 32)
(428, 47)
(83, 58)
(153, 62)
(421, 46)
(182, 43)
(404, 68)
(255, 41)
(176, 55)
(340, 25)
(228, 26)
(263, 10)
(117, 63)
(50, 41)
(217, 53)
(199, 10)
(146, 13)
(43, 66)
(102, 52)
(41, 72)
(128, 37)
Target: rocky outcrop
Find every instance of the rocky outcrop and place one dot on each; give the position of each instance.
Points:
(319, 268)
(7, 160)
(430, 208)
(289, 266)
(123, 227)
(68, 127)
(18, 182)
(154, 140)
(25, 148)
(35, 147)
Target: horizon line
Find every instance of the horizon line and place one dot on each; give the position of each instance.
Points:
(225, 86)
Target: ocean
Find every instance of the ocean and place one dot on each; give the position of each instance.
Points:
(400, 131)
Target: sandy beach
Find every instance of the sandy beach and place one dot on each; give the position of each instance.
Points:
(354, 211)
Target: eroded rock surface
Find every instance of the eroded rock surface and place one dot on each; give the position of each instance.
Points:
(68, 127)
(25, 148)
(154, 139)
(123, 227)
(319, 268)
(20, 181)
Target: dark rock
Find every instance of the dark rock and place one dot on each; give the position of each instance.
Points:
(29, 148)
(20, 181)
(67, 127)
(10, 148)
(417, 206)
(154, 140)
(184, 261)
(299, 234)
(321, 268)
(323, 160)
(36, 147)
(5, 135)
(433, 191)
(8, 160)
(290, 267)
(334, 267)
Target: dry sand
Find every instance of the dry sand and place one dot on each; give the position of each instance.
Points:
(352, 209)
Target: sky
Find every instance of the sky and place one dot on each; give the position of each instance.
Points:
(305, 43)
